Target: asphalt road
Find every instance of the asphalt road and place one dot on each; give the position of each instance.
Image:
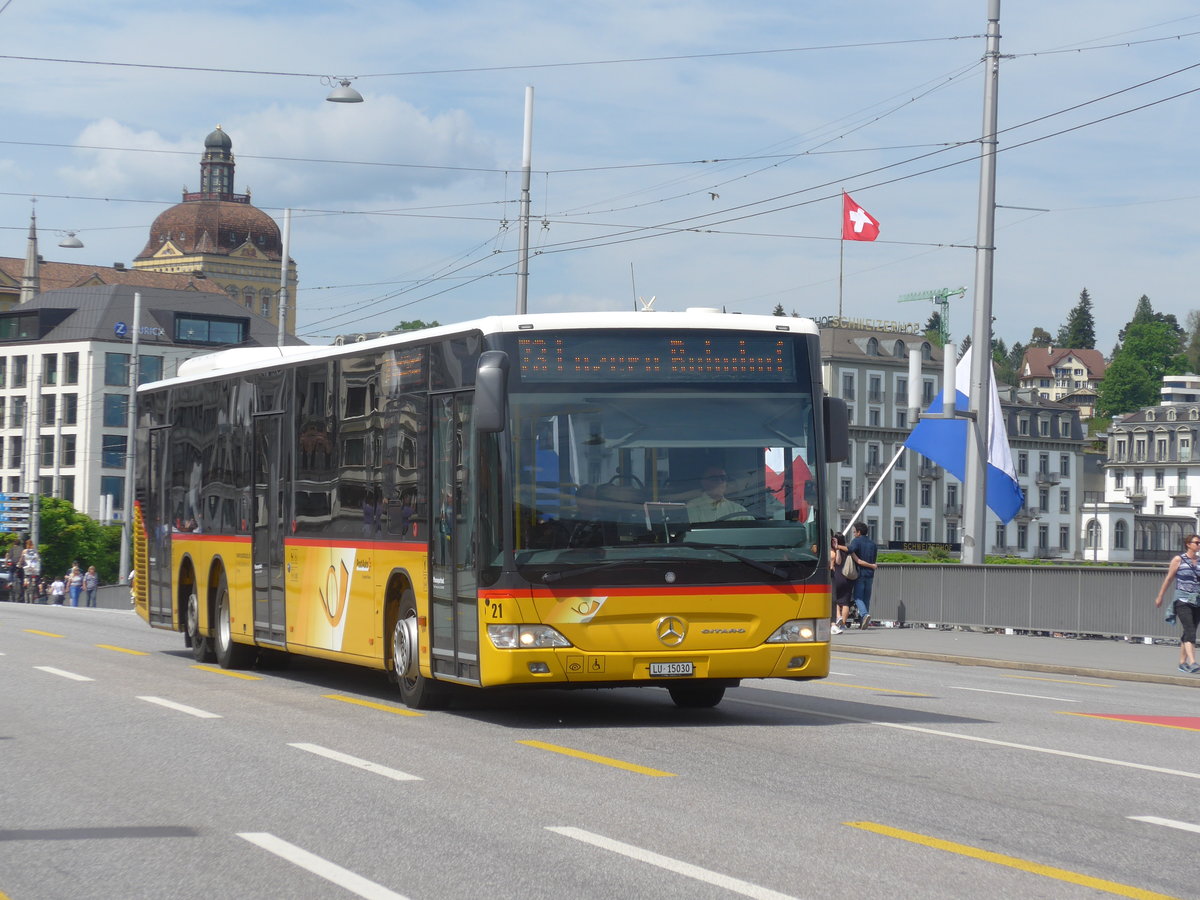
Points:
(131, 772)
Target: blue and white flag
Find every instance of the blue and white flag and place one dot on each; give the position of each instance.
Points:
(944, 441)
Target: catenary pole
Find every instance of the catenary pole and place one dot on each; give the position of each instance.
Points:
(130, 433)
(283, 275)
(526, 172)
(975, 501)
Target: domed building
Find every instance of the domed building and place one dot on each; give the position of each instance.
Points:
(219, 235)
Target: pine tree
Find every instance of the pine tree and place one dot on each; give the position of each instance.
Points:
(1079, 331)
(779, 310)
(1040, 338)
(1151, 347)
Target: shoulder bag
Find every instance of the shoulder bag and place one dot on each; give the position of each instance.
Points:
(849, 568)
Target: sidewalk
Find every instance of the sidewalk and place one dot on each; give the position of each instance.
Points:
(1088, 657)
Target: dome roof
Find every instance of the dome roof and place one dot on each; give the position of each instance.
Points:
(218, 140)
(214, 226)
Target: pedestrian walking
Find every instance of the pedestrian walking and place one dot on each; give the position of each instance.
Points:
(31, 565)
(91, 581)
(74, 581)
(1183, 579)
(843, 587)
(865, 552)
(58, 589)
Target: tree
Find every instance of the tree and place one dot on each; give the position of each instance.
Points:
(1150, 350)
(779, 310)
(1143, 312)
(1079, 331)
(1040, 338)
(67, 537)
(1192, 352)
(415, 325)
(933, 328)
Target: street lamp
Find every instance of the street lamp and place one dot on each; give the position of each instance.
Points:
(343, 93)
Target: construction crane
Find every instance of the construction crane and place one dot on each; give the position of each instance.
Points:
(942, 298)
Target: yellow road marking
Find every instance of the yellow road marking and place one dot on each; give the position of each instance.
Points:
(367, 703)
(1125, 720)
(123, 650)
(43, 633)
(603, 760)
(1058, 680)
(241, 675)
(874, 662)
(879, 690)
(1013, 862)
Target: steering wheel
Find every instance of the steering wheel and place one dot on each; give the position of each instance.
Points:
(745, 515)
(627, 479)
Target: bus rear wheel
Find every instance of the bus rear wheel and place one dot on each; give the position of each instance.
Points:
(696, 694)
(417, 691)
(230, 655)
(202, 649)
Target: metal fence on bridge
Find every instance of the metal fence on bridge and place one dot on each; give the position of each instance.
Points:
(1067, 599)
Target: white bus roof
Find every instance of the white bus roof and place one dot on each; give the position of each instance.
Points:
(250, 359)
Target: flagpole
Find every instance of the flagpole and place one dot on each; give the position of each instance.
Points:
(841, 267)
(874, 488)
(975, 486)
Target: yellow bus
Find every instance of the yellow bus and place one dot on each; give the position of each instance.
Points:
(563, 500)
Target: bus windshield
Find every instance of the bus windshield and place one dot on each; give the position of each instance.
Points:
(694, 486)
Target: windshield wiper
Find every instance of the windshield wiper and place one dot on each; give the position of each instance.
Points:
(550, 577)
(754, 563)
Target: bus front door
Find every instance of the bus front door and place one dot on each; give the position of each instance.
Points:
(453, 603)
(271, 474)
(155, 520)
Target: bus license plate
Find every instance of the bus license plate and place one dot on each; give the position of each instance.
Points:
(671, 668)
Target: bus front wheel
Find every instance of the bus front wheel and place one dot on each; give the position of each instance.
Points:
(230, 655)
(696, 694)
(202, 650)
(417, 691)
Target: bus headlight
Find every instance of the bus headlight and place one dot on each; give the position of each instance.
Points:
(801, 631)
(517, 637)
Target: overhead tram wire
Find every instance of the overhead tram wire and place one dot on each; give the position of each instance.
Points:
(698, 223)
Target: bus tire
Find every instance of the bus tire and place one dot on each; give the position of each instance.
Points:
(417, 691)
(230, 655)
(201, 644)
(696, 694)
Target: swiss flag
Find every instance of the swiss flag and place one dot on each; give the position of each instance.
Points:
(857, 224)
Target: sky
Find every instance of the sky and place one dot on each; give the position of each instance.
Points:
(691, 152)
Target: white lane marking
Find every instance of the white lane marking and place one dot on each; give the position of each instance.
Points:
(1169, 823)
(672, 865)
(323, 868)
(366, 765)
(63, 674)
(179, 707)
(978, 740)
(1013, 694)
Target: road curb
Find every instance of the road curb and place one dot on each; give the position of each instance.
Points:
(1050, 668)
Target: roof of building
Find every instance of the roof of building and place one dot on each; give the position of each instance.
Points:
(219, 227)
(1039, 362)
(54, 276)
(105, 312)
(842, 342)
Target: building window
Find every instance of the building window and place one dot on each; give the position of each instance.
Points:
(20, 371)
(68, 450)
(1023, 425)
(68, 488)
(16, 448)
(847, 386)
(1120, 535)
(899, 493)
(49, 368)
(1064, 465)
(116, 410)
(901, 418)
(113, 486)
(1160, 479)
(898, 530)
(70, 368)
(1022, 537)
(47, 450)
(1064, 500)
(49, 409)
(873, 418)
(926, 495)
(1043, 537)
(926, 392)
(1119, 479)
(150, 368)
(1043, 463)
(266, 304)
(1022, 463)
(1001, 535)
(900, 457)
(1044, 499)
(4, 372)
(1160, 449)
(112, 451)
(209, 330)
(1064, 537)
(70, 406)
(926, 530)
(116, 369)
(902, 392)
(1044, 427)
(18, 413)
(845, 489)
(951, 533)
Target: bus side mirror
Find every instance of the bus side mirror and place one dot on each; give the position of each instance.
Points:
(837, 430)
(491, 392)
